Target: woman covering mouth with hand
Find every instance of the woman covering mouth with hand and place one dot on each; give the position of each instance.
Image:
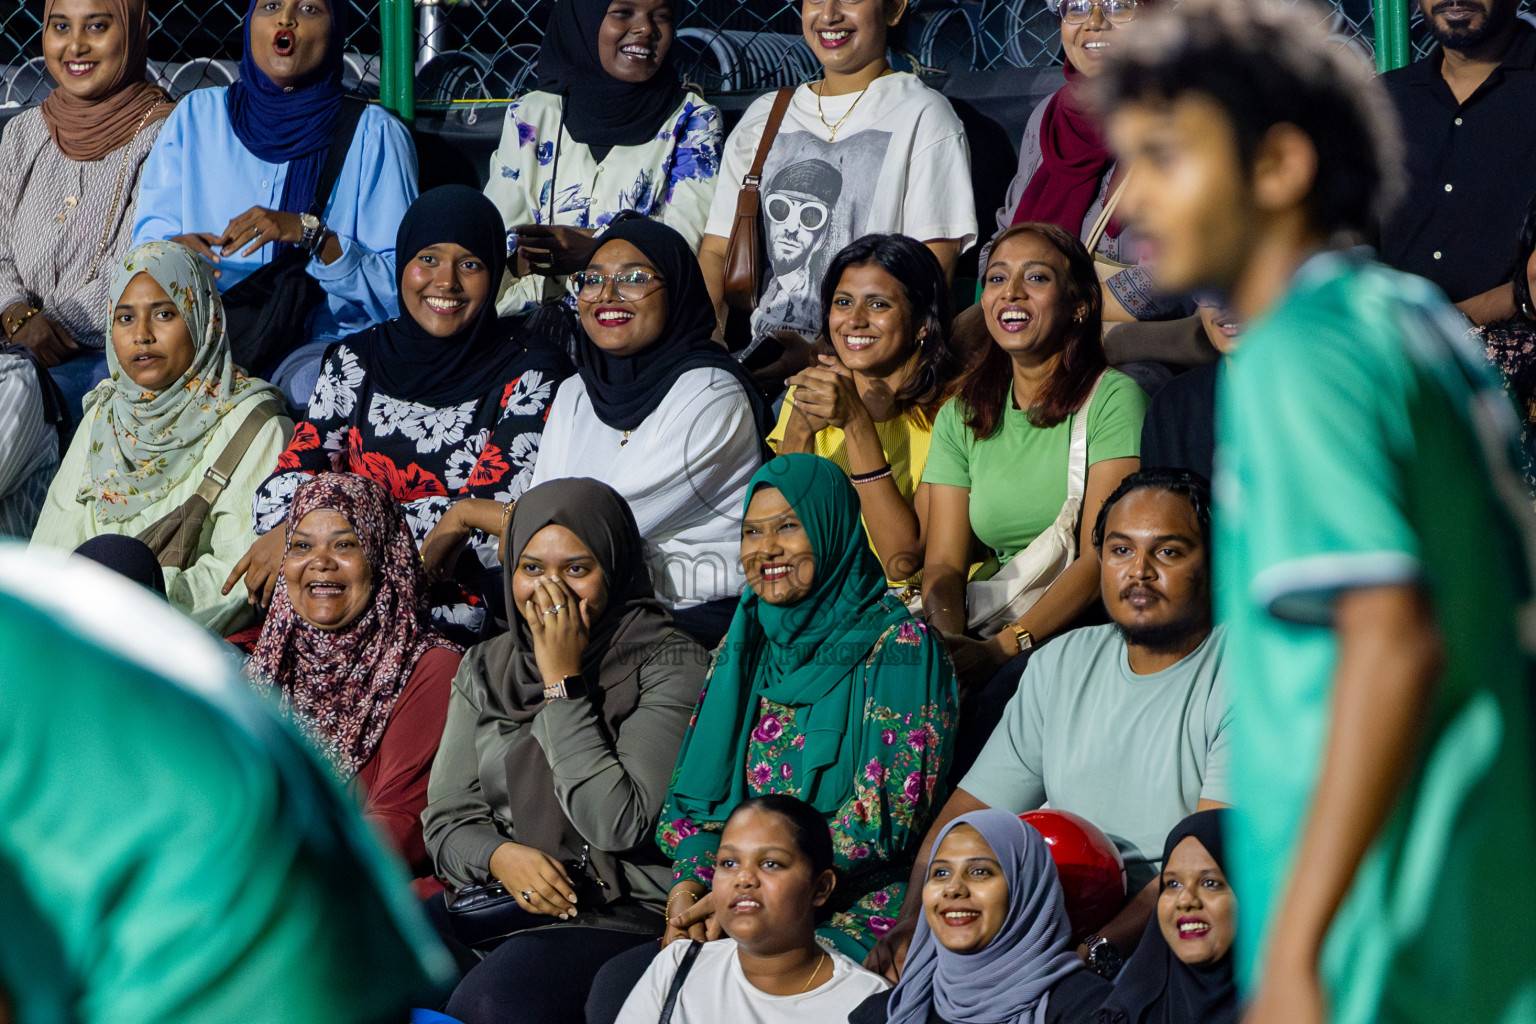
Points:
(609, 128)
(442, 406)
(1182, 970)
(773, 877)
(236, 170)
(994, 943)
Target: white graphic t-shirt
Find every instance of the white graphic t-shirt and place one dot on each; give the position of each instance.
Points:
(900, 164)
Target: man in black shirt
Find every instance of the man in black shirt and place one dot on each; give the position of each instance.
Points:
(1179, 431)
(1468, 113)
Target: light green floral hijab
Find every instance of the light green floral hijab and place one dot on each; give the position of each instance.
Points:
(144, 443)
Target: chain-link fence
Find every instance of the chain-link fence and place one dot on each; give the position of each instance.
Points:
(481, 51)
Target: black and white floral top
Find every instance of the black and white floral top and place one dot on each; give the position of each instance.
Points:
(426, 456)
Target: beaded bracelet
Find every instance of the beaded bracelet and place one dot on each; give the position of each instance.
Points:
(16, 325)
(668, 909)
(869, 478)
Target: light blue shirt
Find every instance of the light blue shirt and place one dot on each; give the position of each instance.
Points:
(199, 177)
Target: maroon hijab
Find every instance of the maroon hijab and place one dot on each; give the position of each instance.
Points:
(341, 685)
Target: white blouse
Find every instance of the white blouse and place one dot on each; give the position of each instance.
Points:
(670, 179)
(684, 471)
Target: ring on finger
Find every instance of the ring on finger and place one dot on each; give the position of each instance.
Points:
(555, 609)
(527, 895)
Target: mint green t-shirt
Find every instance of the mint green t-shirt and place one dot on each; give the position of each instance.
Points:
(169, 851)
(1347, 458)
(1018, 476)
(1134, 754)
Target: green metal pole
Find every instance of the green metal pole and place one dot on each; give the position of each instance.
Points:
(397, 76)
(1391, 17)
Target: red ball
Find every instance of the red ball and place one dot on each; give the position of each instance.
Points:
(1089, 865)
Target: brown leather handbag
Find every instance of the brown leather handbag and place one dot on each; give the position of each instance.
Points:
(744, 251)
(174, 536)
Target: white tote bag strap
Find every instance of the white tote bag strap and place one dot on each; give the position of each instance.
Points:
(1077, 452)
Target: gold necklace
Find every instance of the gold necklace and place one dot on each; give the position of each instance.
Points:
(832, 129)
(814, 971)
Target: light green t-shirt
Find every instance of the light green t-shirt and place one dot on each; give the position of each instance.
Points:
(170, 853)
(1018, 476)
(1133, 754)
(1347, 459)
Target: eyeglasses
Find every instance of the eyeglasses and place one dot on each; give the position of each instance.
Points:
(812, 213)
(1075, 12)
(631, 284)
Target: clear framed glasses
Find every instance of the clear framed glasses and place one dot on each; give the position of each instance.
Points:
(630, 284)
(1075, 12)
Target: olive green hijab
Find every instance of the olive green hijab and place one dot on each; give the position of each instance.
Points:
(809, 654)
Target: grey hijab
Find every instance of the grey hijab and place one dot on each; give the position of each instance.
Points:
(1011, 979)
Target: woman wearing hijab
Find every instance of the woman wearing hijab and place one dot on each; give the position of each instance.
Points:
(235, 171)
(169, 409)
(561, 735)
(663, 415)
(69, 177)
(352, 654)
(610, 128)
(1066, 173)
(825, 688)
(994, 943)
(442, 406)
(1182, 971)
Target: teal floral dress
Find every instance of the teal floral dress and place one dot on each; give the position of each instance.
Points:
(904, 754)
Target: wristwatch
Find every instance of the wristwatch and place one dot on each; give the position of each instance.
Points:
(1023, 636)
(1103, 958)
(568, 688)
(314, 233)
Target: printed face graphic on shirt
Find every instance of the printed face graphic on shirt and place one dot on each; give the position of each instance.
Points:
(816, 199)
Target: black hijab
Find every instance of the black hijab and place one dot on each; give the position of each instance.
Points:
(621, 641)
(1156, 987)
(600, 110)
(626, 389)
(407, 362)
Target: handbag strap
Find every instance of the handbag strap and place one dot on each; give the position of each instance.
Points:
(217, 476)
(754, 177)
(694, 945)
(1107, 214)
(1077, 454)
(347, 117)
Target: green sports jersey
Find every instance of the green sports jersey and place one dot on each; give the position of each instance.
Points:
(1348, 457)
(169, 851)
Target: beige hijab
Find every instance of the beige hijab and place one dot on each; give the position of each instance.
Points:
(90, 129)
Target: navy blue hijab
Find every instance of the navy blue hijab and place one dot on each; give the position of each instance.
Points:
(291, 128)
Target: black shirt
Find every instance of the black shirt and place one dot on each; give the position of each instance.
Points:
(1074, 1000)
(1471, 171)
(1179, 431)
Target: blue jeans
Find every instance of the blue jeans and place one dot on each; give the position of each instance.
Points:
(77, 376)
(296, 375)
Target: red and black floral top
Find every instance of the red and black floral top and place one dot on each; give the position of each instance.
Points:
(427, 457)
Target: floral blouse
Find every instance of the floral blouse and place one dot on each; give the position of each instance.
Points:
(427, 457)
(671, 179)
(904, 754)
(1511, 348)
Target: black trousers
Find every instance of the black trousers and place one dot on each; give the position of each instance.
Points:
(616, 980)
(541, 976)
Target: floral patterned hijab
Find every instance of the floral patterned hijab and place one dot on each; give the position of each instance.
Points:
(342, 684)
(146, 443)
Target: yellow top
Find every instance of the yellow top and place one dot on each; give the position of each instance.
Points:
(904, 440)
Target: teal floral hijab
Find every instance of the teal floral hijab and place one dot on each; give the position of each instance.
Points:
(807, 655)
(145, 443)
